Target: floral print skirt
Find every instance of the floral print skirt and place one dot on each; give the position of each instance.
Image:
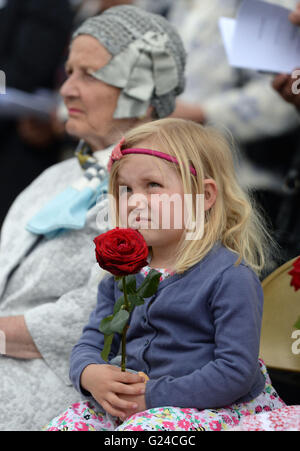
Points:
(284, 419)
(84, 416)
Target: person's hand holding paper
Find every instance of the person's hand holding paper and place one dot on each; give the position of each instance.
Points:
(287, 85)
(295, 15)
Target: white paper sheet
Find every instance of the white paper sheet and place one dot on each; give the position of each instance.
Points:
(262, 38)
(227, 28)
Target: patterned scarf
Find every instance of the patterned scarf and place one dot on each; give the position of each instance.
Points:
(68, 209)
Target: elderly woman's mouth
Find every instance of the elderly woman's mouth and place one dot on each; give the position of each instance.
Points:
(74, 111)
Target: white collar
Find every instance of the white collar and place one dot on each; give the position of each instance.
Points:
(104, 155)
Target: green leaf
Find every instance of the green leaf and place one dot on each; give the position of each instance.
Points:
(130, 284)
(108, 339)
(105, 325)
(119, 321)
(150, 284)
(297, 324)
(134, 301)
(118, 304)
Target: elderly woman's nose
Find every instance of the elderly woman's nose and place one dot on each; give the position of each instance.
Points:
(69, 88)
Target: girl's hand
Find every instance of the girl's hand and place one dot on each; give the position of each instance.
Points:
(107, 384)
(138, 400)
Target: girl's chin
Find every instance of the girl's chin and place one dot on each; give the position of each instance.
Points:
(150, 236)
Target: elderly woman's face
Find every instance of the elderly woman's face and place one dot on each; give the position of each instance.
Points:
(90, 102)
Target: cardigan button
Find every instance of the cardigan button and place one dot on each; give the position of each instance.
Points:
(146, 343)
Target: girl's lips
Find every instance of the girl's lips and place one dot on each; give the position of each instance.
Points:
(144, 223)
(139, 219)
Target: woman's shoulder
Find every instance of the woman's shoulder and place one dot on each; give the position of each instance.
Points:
(64, 172)
(51, 182)
(48, 184)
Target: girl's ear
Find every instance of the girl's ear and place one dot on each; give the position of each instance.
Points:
(210, 193)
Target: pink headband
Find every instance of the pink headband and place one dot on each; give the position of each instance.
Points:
(117, 154)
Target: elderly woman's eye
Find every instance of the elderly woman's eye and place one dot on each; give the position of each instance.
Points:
(89, 74)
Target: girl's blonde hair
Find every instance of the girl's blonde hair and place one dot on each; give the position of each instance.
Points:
(232, 220)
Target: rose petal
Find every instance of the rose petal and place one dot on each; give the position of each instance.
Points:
(295, 273)
(121, 251)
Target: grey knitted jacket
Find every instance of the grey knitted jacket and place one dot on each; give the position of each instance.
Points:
(53, 283)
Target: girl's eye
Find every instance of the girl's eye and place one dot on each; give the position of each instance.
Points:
(154, 185)
(124, 189)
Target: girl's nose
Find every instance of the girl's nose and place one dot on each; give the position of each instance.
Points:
(138, 201)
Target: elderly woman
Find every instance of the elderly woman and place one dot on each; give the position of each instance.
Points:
(125, 66)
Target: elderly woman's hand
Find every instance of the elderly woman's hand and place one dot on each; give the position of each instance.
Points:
(18, 341)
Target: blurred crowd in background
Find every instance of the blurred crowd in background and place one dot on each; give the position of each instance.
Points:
(34, 40)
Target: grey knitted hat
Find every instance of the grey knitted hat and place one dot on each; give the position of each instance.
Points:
(148, 59)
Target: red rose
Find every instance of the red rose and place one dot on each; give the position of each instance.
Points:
(295, 273)
(121, 251)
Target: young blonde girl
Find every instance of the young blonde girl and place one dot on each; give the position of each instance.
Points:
(233, 220)
(198, 337)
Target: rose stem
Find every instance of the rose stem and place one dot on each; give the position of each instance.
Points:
(123, 363)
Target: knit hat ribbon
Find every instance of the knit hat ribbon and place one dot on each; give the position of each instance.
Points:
(144, 67)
